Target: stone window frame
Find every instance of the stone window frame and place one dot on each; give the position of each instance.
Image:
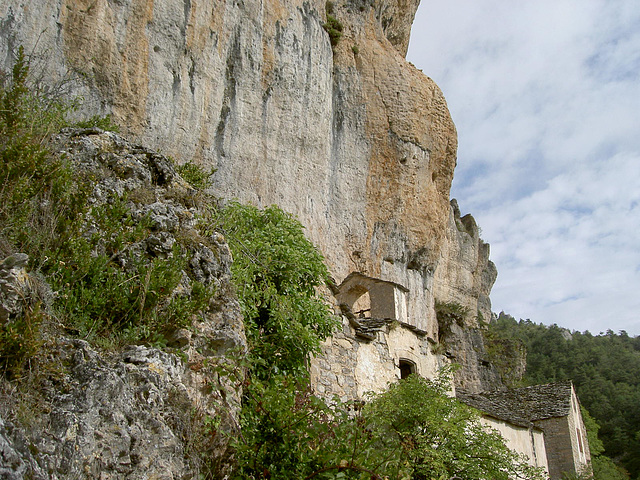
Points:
(407, 367)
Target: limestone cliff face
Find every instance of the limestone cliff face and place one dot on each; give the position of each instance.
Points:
(352, 138)
(465, 275)
(356, 141)
(464, 279)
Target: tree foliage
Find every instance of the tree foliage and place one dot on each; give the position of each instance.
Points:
(439, 436)
(605, 369)
(276, 271)
(603, 467)
(412, 431)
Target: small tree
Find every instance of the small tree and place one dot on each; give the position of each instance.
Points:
(276, 271)
(441, 437)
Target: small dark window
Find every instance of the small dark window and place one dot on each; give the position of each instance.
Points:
(406, 368)
(580, 440)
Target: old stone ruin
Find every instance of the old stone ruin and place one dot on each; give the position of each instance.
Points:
(379, 343)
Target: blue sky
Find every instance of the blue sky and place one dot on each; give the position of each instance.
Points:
(546, 99)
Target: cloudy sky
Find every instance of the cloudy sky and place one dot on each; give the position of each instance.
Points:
(545, 95)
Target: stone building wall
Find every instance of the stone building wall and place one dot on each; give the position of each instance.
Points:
(566, 442)
(352, 364)
(528, 441)
(558, 444)
(581, 452)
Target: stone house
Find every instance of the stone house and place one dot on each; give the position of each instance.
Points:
(380, 343)
(543, 422)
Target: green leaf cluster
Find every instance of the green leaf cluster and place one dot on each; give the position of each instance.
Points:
(332, 26)
(197, 176)
(39, 193)
(110, 290)
(441, 437)
(603, 467)
(277, 272)
(450, 313)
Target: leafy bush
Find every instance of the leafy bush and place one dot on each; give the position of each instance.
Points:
(40, 198)
(198, 177)
(39, 193)
(19, 340)
(332, 26)
(110, 289)
(414, 430)
(449, 313)
(276, 271)
(440, 437)
(107, 290)
(98, 121)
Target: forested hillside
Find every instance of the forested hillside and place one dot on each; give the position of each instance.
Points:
(605, 369)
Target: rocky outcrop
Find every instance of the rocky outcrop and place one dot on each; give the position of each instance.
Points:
(140, 412)
(132, 416)
(465, 275)
(466, 346)
(462, 284)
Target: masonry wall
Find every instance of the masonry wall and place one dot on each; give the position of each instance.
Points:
(528, 441)
(566, 442)
(579, 442)
(350, 366)
(558, 446)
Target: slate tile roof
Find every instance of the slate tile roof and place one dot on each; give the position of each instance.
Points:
(522, 406)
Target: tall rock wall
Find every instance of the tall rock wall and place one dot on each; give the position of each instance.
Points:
(465, 275)
(462, 285)
(351, 138)
(359, 145)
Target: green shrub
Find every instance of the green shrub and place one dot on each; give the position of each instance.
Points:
(110, 290)
(439, 437)
(39, 194)
(44, 212)
(276, 271)
(334, 28)
(197, 176)
(448, 313)
(40, 197)
(413, 430)
(105, 123)
(20, 339)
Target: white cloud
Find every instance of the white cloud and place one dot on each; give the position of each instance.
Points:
(546, 98)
